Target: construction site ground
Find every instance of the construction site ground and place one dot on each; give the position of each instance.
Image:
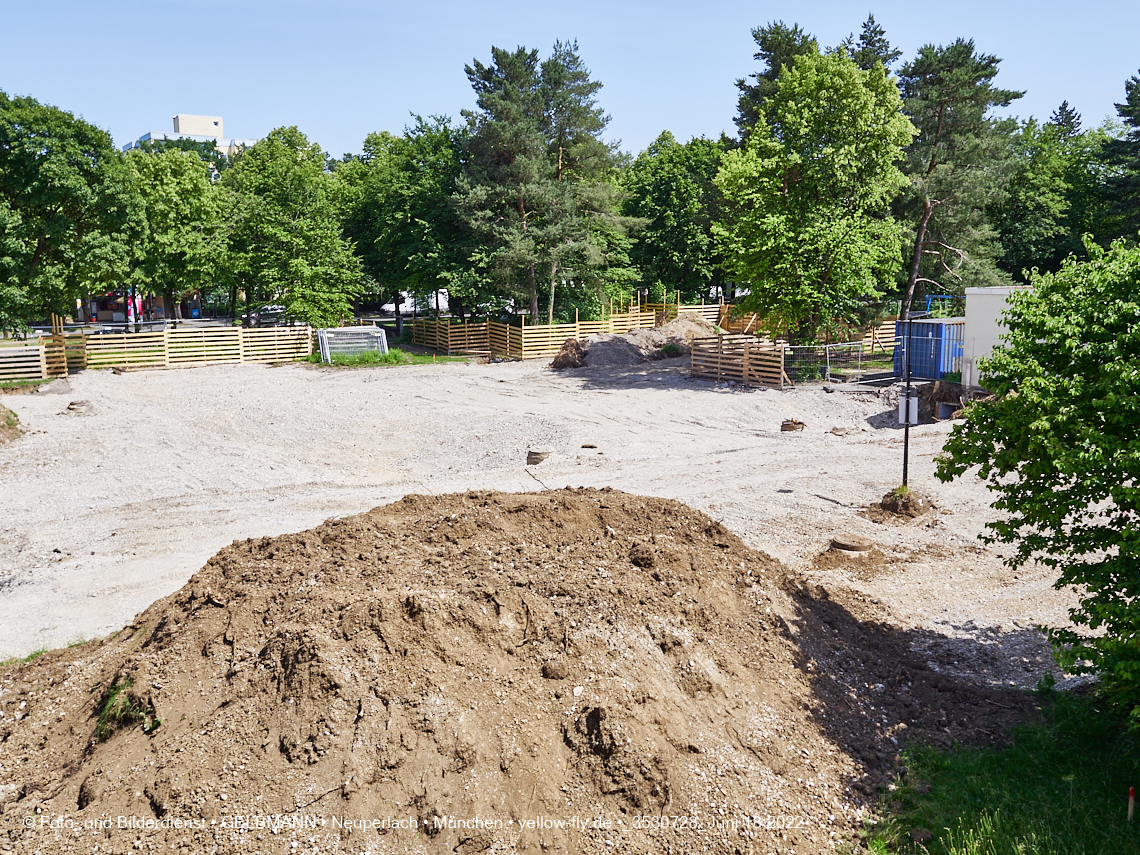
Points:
(677, 639)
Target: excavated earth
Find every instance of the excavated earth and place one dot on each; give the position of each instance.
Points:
(576, 670)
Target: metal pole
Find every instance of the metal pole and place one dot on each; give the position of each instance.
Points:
(906, 420)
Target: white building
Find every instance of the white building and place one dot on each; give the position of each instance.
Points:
(200, 129)
(983, 328)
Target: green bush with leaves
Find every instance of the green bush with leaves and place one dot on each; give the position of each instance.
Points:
(1058, 445)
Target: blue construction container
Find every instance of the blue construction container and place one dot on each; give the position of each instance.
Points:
(936, 347)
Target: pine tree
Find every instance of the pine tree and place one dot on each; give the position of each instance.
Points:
(872, 46)
(779, 45)
(954, 165)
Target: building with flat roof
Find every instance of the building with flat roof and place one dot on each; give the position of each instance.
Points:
(200, 129)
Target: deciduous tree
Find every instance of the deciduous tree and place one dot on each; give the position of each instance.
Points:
(66, 202)
(806, 225)
(287, 245)
(1057, 445)
(670, 186)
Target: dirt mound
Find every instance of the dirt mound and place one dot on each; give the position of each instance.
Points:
(572, 355)
(486, 668)
(637, 346)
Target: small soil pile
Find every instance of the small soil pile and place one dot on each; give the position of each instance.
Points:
(908, 504)
(9, 425)
(459, 673)
(637, 346)
(572, 355)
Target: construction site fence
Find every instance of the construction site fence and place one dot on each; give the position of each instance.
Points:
(61, 354)
(754, 361)
(491, 338)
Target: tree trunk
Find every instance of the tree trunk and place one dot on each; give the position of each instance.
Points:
(550, 303)
(916, 258)
(532, 291)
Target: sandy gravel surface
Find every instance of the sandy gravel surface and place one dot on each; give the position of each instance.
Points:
(117, 501)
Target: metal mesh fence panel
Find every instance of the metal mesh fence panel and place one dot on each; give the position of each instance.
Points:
(351, 341)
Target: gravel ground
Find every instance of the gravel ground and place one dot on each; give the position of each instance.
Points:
(117, 499)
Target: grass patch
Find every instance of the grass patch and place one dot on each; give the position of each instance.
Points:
(20, 660)
(8, 385)
(1061, 789)
(394, 356)
(119, 709)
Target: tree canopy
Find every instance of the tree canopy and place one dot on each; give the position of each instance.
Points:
(1057, 445)
(806, 224)
(287, 246)
(66, 204)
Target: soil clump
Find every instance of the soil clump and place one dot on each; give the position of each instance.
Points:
(638, 346)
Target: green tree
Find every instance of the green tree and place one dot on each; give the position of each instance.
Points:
(537, 178)
(1123, 155)
(1057, 445)
(806, 227)
(402, 220)
(956, 166)
(670, 186)
(181, 240)
(1054, 190)
(66, 206)
(871, 47)
(778, 46)
(207, 152)
(287, 245)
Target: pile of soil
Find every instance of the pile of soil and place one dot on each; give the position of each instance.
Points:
(574, 653)
(9, 424)
(572, 355)
(637, 346)
(474, 672)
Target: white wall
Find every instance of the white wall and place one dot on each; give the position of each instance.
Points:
(984, 328)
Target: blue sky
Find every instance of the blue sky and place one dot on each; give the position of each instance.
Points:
(341, 68)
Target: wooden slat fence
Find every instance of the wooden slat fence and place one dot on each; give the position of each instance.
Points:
(526, 342)
(60, 355)
(739, 358)
(23, 362)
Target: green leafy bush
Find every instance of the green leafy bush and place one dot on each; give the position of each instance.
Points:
(1058, 446)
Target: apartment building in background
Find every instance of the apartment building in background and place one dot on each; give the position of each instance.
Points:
(199, 129)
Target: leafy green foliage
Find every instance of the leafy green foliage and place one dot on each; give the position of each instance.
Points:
(1053, 194)
(778, 46)
(66, 200)
(406, 230)
(287, 246)
(670, 186)
(1057, 445)
(805, 223)
(180, 239)
(207, 152)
